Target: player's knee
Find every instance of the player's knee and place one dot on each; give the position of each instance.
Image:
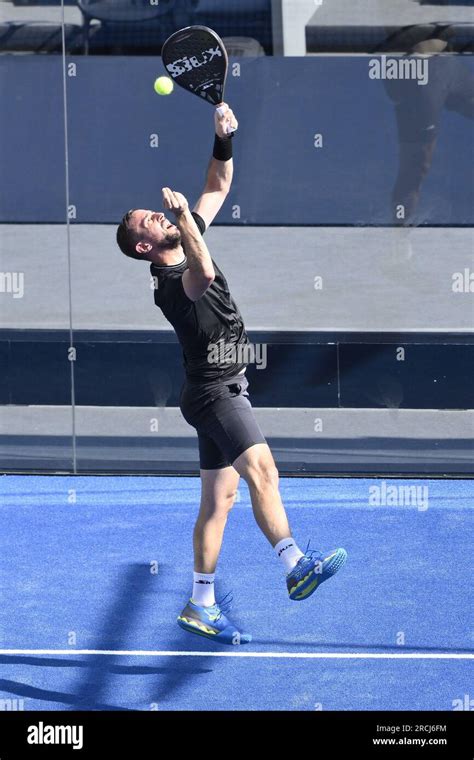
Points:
(219, 507)
(230, 499)
(223, 507)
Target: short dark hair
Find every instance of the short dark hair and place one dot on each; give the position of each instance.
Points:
(127, 238)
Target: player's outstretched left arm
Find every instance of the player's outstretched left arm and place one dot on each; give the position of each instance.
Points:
(221, 168)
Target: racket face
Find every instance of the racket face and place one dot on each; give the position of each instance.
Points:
(196, 59)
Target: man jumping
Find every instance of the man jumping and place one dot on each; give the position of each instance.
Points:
(194, 296)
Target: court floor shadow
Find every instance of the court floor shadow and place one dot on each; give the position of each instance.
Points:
(311, 644)
(47, 695)
(135, 584)
(91, 691)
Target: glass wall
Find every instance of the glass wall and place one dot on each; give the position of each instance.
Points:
(37, 411)
(345, 238)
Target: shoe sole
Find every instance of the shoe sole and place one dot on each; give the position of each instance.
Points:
(194, 628)
(313, 580)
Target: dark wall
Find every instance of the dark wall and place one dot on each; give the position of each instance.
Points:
(330, 370)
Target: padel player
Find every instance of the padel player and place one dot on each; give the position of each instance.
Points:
(194, 296)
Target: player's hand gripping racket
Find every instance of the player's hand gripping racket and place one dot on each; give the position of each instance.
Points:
(196, 59)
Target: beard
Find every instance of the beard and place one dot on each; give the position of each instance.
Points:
(171, 240)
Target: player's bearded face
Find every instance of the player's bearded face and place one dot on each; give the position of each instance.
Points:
(170, 238)
(161, 233)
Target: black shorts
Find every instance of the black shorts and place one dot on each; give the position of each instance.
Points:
(224, 420)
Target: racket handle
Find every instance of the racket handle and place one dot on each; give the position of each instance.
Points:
(221, 111)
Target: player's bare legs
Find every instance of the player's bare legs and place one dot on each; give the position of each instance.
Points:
(257, 466)
(202, 615)
(305, 572)
(218, 492)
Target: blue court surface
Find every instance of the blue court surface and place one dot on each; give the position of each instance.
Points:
(94, 571)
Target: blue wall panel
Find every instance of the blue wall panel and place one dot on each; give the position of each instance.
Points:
(280, 177)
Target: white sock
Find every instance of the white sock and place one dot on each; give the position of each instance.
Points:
(287, 551)
(203, 589)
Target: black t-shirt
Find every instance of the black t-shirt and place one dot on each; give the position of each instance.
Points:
(210, 330)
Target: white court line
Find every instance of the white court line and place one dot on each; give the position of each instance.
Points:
(265, 655)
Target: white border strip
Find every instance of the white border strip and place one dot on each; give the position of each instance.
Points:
(263, 655)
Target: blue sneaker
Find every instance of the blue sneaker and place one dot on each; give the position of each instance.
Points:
(211, 623)
(312, 569)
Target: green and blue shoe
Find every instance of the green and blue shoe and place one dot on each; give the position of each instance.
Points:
(212, 623)
(312, 569)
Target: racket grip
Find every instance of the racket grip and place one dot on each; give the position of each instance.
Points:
(221, 111)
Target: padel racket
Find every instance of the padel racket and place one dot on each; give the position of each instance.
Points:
(196, 59)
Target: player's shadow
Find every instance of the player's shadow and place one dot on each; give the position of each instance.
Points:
(181, 668)
(317, 646)
(20, 689)
(135, 584)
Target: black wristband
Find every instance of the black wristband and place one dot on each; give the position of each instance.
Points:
(223, 147)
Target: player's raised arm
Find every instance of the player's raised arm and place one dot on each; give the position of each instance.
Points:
(200, 273)
(220, 171)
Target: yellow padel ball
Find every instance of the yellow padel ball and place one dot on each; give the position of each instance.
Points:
(163, 85)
